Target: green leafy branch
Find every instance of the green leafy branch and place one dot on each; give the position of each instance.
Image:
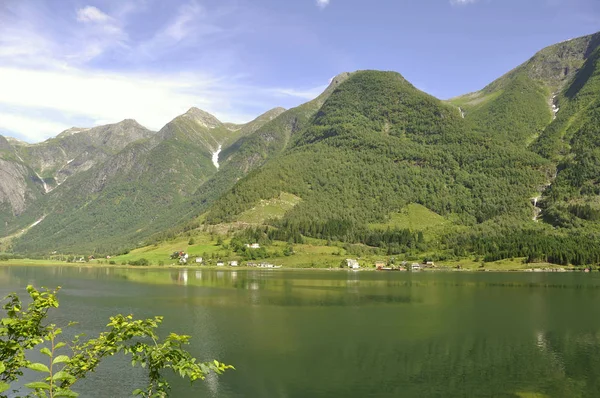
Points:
(22, 330)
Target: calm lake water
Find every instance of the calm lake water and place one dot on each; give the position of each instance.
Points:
(348, 334)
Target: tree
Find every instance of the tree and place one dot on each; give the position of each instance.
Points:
(191, 242)
(23, 329)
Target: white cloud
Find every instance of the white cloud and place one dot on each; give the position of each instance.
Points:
(49, 82)
(31, 129)
(91, 14)
(322, 3)
(102, 97)
(302, 94)
(181, 26)
(43, 103)
(462, 2)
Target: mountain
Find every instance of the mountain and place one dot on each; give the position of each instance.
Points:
(572, 141)
(18, 184)
(265, 137)
(520, 104)
(134, 192)
(374, 146)
(511, 170)
(78, 149)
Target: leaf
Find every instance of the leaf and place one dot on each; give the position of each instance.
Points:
(2, 367)
(38, 367)
(59, 345)
(38, 385)
(62, 375)
(46, 351)
(4, 386)
(65, 393)
(60, 359)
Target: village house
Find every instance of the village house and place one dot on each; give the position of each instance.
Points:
(351, 263)
(184, 258)
(220, 263)
(253, 246)
(233, 263)
(415, 267)
(268, 265)
(380, 264)
(430, 264)
(198, 260)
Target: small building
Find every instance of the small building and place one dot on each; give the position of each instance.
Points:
(251, 264)
(198, 260)
(220, 263)
(233, 263)
(430, 264)
(380, 264)
(352, 264)
(253, 246)
(415, 267)
(183, 258)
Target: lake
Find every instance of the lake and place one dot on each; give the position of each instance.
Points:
(347, 334)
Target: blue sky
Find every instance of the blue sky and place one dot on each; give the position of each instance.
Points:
(90, 62)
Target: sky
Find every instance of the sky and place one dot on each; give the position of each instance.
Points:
(84, 63)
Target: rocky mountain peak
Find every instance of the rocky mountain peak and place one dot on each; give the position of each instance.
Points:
(202, 117)
(4, 144)
(129, 123)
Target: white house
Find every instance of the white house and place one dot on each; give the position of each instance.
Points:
(183, 259)
(352, 263)
(220, 263)
(199, 260)
(253, 246)
(415, 266)
(233, 263)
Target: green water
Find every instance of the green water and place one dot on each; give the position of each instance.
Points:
(349, 334)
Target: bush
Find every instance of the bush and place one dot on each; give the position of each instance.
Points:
(140, 262)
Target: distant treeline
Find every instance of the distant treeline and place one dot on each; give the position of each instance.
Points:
(535, 245)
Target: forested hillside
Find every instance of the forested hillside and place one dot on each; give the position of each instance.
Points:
(573, 141)
(378, 144)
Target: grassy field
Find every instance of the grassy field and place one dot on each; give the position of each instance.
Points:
(270, 209)
(417, 218)
(474, 99)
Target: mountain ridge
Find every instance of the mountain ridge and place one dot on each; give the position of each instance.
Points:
(366, 148)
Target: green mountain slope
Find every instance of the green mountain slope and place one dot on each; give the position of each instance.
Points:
(134, 193)
(518, 106)
(377, 144)
(267, 137)
(573, 141)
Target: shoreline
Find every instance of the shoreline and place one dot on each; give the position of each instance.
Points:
(50, 263)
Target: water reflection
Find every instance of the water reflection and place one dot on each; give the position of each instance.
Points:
(353, 334)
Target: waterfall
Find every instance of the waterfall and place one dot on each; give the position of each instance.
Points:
(536, 210)
(215, 157)
(46, 188)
